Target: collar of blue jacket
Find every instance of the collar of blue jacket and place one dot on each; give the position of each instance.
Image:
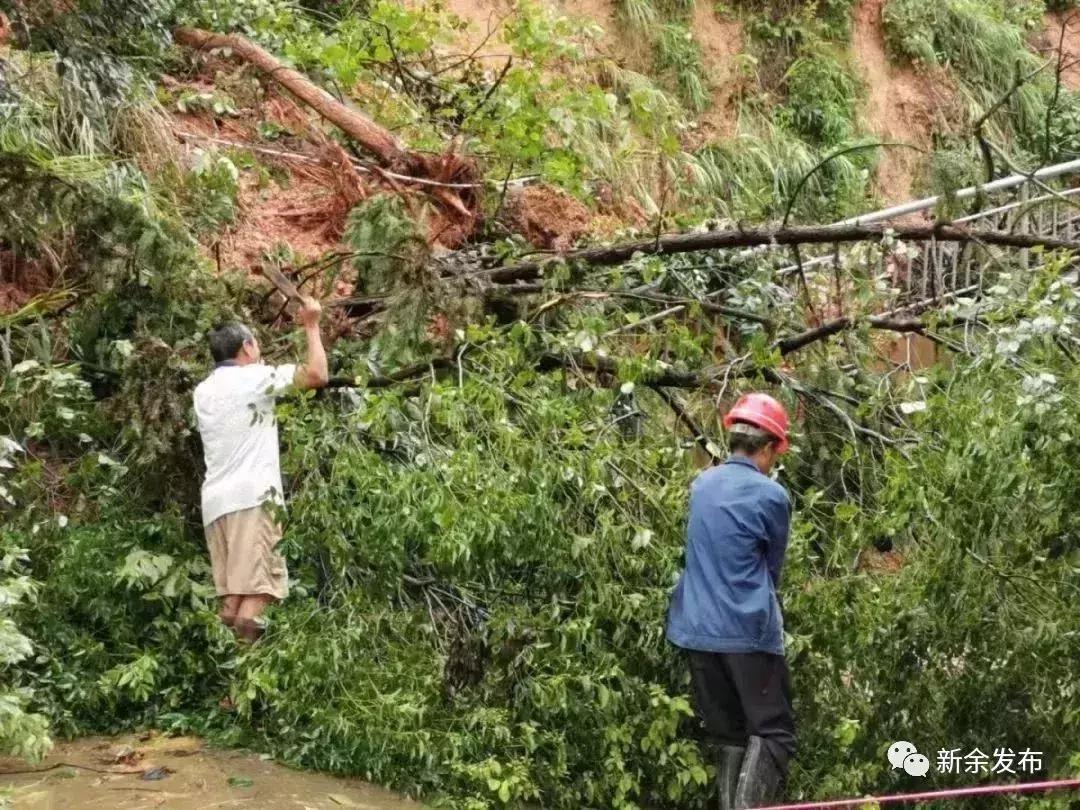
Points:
(736, 540)
(744, 461)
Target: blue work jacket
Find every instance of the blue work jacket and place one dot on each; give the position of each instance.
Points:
(736, 538)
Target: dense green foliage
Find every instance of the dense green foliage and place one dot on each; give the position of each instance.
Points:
(482, 569)
(481, 558)
(822, 98)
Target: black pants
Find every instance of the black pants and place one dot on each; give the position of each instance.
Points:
(738, 695)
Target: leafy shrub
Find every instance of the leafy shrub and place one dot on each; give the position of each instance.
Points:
(1064, 130)
(22, 733)
(481, 574)
(830, 19)
(385, 238)
(211, 192)
(822, 97)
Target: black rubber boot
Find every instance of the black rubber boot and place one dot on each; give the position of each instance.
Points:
(727, 774)
(760, 778)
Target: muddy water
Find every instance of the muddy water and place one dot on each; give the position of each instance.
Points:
(195, 778)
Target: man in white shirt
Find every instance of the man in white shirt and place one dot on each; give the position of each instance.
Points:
(234, 408)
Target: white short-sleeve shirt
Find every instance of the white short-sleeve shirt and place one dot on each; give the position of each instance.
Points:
(234, 408)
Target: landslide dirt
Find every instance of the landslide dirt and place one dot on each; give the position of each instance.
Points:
(304, 208)
(721, 42)
(296, 197)
(1069, 41)
(21, 280)
(549, 218)
(903, 104)
(301, 205)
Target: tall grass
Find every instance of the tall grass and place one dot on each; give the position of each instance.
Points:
(652, 109)
(986, 50)
(753, 175)
(637, 14)
(678, 55)
(63, 113)
(34, 135)
(64, 139)
(678, 9)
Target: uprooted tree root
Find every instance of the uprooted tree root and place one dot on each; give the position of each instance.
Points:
(448, 178)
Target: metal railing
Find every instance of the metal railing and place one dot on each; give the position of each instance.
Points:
(937, 268)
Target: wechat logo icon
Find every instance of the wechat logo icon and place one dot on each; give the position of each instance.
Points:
(904, 755)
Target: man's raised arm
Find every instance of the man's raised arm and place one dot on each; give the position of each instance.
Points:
(314, 373)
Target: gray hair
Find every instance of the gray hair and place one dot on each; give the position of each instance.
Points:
(227, 339)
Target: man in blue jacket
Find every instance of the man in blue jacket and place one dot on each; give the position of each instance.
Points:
(725, 612)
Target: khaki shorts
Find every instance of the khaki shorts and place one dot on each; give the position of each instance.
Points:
(243, 554)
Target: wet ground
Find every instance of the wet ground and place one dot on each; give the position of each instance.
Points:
(177, 773)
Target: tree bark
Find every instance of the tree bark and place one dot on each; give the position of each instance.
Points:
(363, 130)
(806, 235)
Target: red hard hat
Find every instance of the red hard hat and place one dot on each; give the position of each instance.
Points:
(761, 411)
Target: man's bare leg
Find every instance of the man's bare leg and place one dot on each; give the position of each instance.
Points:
(230, 604)
(251, 607)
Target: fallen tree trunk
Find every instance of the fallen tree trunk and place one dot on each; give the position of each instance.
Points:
(372, 137)
(448, 178)
(806, 235)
